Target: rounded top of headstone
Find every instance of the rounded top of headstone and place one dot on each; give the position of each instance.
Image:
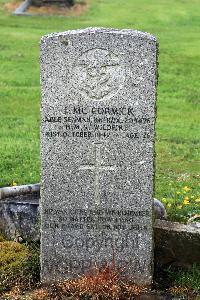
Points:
(96, 30)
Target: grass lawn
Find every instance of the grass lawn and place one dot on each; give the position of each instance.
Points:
(176, 25)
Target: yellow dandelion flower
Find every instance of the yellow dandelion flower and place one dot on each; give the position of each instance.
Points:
(164, 200)
(169, 205)
(13, 183)
(179, 206)
(186, 201)
(197, 200)
(186, 189)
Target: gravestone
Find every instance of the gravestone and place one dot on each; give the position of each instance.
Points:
(97, 152)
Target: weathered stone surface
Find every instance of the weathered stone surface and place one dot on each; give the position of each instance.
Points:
(97, 150)
(19, 218)
(176, 243)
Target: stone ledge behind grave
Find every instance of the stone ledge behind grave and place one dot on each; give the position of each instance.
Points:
(174, 242)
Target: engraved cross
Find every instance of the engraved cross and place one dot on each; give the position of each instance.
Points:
(97, 167)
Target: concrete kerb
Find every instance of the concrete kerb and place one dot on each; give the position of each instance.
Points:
(13, 191)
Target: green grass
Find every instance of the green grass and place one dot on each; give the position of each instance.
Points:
(183, 283)
(184, 279)
(176, 25)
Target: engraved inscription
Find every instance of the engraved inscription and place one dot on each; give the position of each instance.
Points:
(99, 74)
(96, 219)
(83, 122)
(97, 167)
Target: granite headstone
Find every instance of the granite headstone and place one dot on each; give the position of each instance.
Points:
(97, 152)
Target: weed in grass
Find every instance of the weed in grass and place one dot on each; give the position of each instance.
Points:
(99, 283)
(182, 205)
(184, 281)
(104, 282)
